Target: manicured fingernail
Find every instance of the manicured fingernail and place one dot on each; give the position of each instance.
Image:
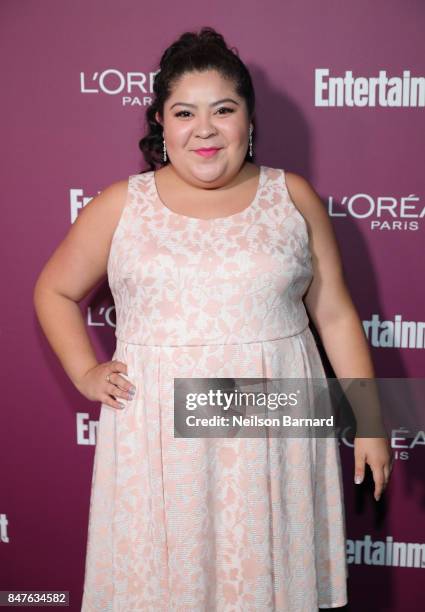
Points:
(358, 480)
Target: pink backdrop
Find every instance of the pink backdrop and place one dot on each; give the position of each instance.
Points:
(71, 127)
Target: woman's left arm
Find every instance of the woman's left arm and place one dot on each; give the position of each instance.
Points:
(335, 317)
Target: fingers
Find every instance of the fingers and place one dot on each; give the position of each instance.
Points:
(379, 479)
(119, 384)
(359, 468)
(387, 472)
(376, 452)
(121, 388)
(117, 373)
(110, 401)
(381, 475)
(119, 366)
(388, 468)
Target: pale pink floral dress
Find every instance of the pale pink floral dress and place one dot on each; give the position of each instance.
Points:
(198, 524)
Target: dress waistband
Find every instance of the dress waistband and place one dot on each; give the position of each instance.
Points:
(119, 339)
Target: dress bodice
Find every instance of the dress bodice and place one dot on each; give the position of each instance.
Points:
(180, 280)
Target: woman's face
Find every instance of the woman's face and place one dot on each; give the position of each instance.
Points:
(204, 111)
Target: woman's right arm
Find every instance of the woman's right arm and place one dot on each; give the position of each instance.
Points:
(77, 265)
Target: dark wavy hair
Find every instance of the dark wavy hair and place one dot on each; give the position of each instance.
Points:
(206, 50)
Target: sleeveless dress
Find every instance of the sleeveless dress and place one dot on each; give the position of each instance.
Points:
(198, 524)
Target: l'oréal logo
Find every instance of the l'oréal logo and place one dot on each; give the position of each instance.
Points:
(133, 88)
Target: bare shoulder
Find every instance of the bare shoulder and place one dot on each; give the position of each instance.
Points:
(309, 203)
(80, 260)
(303, 194)
(108, 205)
(101, 215)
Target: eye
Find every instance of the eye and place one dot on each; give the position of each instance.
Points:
(222, 108)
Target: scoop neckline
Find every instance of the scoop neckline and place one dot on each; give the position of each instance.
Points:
(241, 213)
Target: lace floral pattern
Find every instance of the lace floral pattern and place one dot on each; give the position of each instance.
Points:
(211, 524)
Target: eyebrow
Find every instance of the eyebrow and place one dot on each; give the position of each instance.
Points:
(212, 104)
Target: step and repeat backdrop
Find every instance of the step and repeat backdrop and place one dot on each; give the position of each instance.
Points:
(340, 92)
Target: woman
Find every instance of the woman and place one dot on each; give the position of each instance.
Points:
(209, 259)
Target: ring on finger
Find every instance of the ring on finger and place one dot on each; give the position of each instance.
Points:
(108, 378)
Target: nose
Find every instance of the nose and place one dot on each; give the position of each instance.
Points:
(205, 127)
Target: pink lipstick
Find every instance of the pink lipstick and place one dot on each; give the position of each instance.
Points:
(207, 152)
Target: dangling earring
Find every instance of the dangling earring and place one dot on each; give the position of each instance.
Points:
(250, 140)
(164, 150)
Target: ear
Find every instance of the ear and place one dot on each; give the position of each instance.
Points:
(157, 118)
